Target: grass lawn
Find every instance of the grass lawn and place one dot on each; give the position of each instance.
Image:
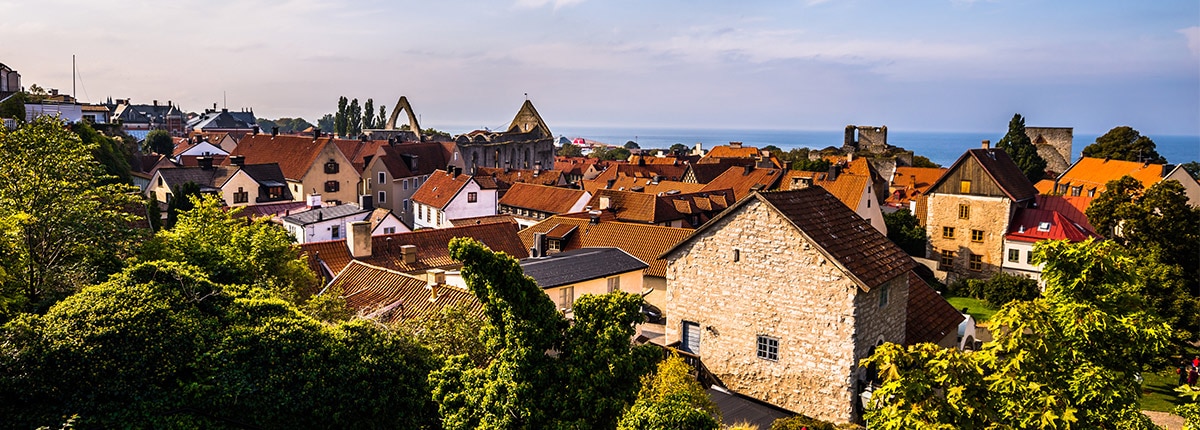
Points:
(1158, 391)
(975, 307)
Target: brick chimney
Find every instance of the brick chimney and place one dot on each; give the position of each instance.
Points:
(237, 160)
(358, 239)
(205, 163)
(987, 144)
(408, 253)
(436, 281)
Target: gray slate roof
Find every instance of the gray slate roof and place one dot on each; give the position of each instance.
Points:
(213, 179)
(580, 265)
(326, 213)
(220, 120)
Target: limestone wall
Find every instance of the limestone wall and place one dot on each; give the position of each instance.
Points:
(782, 287)
(1054, 145)
(990, 214)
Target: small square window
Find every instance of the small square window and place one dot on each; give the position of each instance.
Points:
(1076, 190)
(332, 186)
(964, 211)
(768, 348)
(1014, 256)
(976, 262)
(472, 197)
(336, 231)
(977, 235)
(947, 232)
(964, 187)
(389, 230)
(614, 284)
(331, 167)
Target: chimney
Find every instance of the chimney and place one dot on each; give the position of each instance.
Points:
(316, 133)
(255, 130)
(408, 253)
(358, 238)
(274, 131)
(539, 245)
(436, 279)
(914, 180)
(206, 163)
(834, 170)
(367, 201)
(314, 200)
(735, 145)
(237, 160)
(457, 171)
(849, 157)
(987, 144)
(748, 169)
(156, 103)
(605, 202)
(412, 162)
(593, 217)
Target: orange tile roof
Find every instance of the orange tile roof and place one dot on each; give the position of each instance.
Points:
(847, 188)
(295, 154)
(541, 198)
(1045, 186)
(668, 172)
(390, 296)
(643, 241)
(743, 183)
(440, 188)
(506, 178)
(728, 151)
(358, 150)
(1091, 173)
(486, 219)
(432, 248)
(626, 183)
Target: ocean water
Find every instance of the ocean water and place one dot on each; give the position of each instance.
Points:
(941, 147)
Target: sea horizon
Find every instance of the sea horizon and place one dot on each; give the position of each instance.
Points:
(941, 147)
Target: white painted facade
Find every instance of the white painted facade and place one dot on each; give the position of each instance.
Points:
(1016, 258)
(391, 224)
(202, 149)
(869, 209)
(71, 113)
(461, 206)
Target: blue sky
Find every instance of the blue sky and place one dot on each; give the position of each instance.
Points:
(946, 65)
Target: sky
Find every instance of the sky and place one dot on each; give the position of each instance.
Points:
(919, 65)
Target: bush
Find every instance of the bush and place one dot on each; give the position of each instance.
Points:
(799, 422)
(1004, 288)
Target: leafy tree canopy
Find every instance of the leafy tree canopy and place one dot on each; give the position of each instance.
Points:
(671, 398)
(805, 164)
(570, 150)
(1022, 151)
(159, 142)
(631, 145)
(1070, 359)
(610, 154)
(327, 123)
(906, 232)
(112, 154)
(679, 148)
(161, 346)
(66, 223)
(588, 384)
(923, 161)
(1124, 143)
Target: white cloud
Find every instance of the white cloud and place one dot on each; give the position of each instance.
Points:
(534, 4)
(1193, 38)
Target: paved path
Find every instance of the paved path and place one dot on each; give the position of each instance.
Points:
(1166, 420)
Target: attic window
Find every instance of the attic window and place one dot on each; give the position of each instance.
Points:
(331, 167)
(1044, 226)
(965, 187)
(737, 255)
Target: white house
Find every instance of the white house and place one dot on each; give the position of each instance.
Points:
(449, 195)
(323, 223)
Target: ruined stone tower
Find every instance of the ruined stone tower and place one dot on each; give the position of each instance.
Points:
(526, 144)
(865, 137)
(1053, 145)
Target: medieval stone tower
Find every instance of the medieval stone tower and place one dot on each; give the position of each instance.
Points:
(1054, 145)
(865, 137)
(526, 144)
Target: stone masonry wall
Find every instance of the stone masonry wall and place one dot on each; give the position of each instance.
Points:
(784, 288)
(990, 214)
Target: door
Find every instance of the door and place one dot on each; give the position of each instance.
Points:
(691, 337)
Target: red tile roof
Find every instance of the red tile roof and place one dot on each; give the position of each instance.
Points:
(743, 182)
(660, 208)
(541, 198)
(648, 185)
(508, 177)
(1033, 225)
(486, 219)
(1071, 207)
(440, 188)
(295, 154)
(930, 318)
(646, 242)
(432, 248)
(357, 151)
(390, 296)
(729, 151)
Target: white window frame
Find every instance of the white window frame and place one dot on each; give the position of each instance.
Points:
(767, 348)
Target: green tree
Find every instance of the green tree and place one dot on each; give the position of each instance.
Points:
(631, 145)
(368, 119)
(341, 121)
(671, 398)
(159, 142)
(808, 165)
(266, 125)
(162, 346)
(433, 132)
(570, 150)
(679, 148)
(14, 106)
(453, 331)
(923, 161)
(906, 232)
(112, 155)
(1124, 143)
(1118, 199)
(327, 123)
(354, 117)
(610, 153)
(1022, 151)
(587, 385)
(67, 223)
(182, 198)
(382, 119)
(1070, 359)
(235, 250)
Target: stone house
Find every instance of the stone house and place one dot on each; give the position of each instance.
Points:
(969, 210)
(395, 173)
(449, 195)
(311, 164)
(782, 294)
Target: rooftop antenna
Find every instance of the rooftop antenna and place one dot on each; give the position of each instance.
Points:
(73, 78)
(526, 95)
(224, 101)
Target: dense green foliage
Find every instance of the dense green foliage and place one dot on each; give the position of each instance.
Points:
(326, 123)
(587, 384)
(183, 198)
(808, 165)
(286, 125)
(923, 161)
(159, 142)
(680, 148)
(235, 250)
(1067, 360)
(66, 222)
(161, 346)
(998, 290)
(454, 331)
(671, 399)
(1022, 150)
(112, 154)
(905, 231)
(570, 150)
(631, 145)
(14, 107)
(610, 153)
(801, 422)
(1124, 143)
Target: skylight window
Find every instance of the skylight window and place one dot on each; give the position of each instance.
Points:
(1044, 226)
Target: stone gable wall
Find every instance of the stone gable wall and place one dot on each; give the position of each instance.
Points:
(784, 288)
(990, 214)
